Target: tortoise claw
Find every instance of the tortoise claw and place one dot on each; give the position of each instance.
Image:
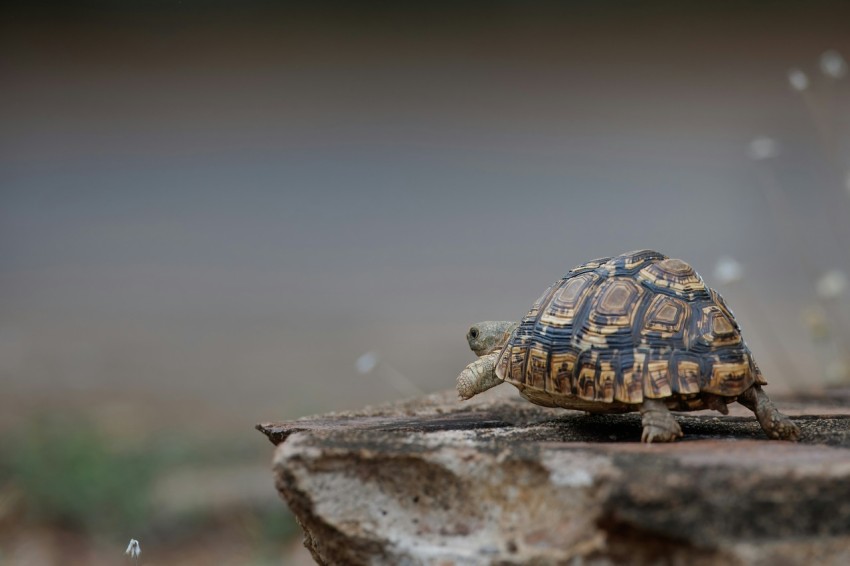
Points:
(666, 433)
(781, 427)
(659, 425)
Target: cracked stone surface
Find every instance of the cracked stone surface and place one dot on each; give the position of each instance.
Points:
(498, 480)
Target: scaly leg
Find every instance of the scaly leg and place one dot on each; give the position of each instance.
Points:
(659, 425)
(775, 424)
(478, 376)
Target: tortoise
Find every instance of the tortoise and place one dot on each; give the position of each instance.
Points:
(635, 332)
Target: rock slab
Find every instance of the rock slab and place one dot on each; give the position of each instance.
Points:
(502, 481)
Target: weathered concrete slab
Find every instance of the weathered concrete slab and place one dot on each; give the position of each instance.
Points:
(501, 481)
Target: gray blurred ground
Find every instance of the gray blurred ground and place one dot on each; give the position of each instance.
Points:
(223, 208)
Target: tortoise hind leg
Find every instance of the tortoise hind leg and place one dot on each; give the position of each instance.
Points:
(659, 425)
(775, 424)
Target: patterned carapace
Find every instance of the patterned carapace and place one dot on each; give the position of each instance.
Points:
(618, 330)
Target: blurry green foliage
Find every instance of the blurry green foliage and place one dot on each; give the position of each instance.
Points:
(275, 526)
(78, 477)
(72, 476)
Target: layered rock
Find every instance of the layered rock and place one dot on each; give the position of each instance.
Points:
(502, 481)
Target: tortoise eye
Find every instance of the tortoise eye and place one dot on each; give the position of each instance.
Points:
(473, 333)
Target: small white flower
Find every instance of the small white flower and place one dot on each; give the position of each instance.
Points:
(832, 284)
(832, 64)
(762, 148)
(366, 363)
(798, 79)
(728, 270)
(133, 549)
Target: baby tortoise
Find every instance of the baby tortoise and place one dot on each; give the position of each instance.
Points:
(639, 331)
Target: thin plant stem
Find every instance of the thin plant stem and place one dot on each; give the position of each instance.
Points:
(784, 220)
(765, 324)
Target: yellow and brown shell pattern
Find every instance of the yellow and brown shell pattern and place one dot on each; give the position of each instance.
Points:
(618, 330)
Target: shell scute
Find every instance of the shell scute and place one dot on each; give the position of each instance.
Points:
(676, 278)
(562, 369)
(588, 266)
(686, 369)
(721, 304)
(615, 301)
(611, 315)
(538, 366)
(628, 387)
(563, 308)
(656, 382)
(716, 330)
(585, 368)
(666, 322)
(728, 375)
(517, 363)
(631, 262)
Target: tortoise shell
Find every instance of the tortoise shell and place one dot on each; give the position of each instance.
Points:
(615, 331)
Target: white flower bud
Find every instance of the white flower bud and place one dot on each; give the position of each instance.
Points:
(366, 363)
(728, 270)
(832, 284)
(133, 549)
(832, 64)
(798, 79)
(762, 148)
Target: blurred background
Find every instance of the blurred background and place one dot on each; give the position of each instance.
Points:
(215, 213)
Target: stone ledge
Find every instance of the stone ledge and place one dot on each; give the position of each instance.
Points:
(503, 481)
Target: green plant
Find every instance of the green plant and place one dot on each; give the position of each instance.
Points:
(73, 477)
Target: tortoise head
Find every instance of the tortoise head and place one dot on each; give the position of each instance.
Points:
(489, 336)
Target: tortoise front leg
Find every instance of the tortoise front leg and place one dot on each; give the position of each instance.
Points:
(659, 425)
(775, 424)
(479, 376)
